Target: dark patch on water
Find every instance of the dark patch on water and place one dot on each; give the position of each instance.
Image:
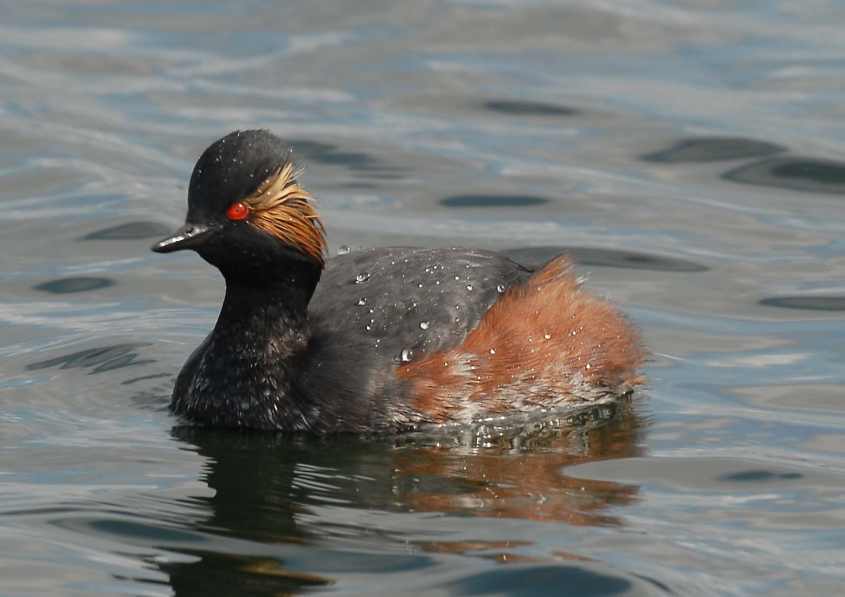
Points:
(129, 231)
(810, 303)
(100, 360)
(712, 149)
(653, 581)
(525, 108)
(144, 378)
(157, 400)
(359, 161)
(536, 256)
(759, 475)
(540, 580)
(152, 396)
(492, 201)
(237, 574)
(139, 579)
(795, 173)
(75, 284)
(137, 530)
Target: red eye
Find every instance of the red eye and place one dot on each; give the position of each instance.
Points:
(238, 211)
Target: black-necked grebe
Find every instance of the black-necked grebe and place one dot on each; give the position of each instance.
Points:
(390, 338)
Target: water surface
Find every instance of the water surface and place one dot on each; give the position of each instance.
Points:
(689, 156)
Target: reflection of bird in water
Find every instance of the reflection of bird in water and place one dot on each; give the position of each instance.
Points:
(276, 497)
(521, 476)
(393, 338)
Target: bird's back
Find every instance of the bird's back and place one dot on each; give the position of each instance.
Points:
(407, 302)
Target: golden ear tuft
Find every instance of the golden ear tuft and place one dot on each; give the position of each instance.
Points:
(282, 208)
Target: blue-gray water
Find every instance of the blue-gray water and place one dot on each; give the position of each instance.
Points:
(690, 155)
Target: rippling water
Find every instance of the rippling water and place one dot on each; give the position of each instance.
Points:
(690, 156)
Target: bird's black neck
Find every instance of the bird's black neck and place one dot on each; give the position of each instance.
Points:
(265, 314)
(259, 313)
(246, 376)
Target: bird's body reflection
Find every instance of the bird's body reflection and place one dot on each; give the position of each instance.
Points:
(277, 497)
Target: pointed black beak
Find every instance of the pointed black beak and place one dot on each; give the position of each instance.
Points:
(189, 236)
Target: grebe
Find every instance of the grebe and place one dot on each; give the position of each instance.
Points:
(380, 340)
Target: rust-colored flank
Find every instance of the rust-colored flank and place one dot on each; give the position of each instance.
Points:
(285, 210)
(542, 344)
